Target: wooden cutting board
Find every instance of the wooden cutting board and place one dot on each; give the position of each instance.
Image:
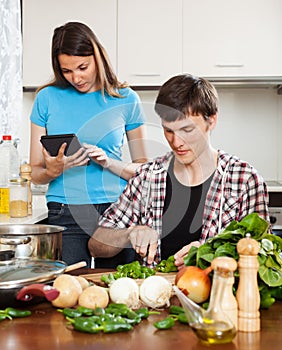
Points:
(96, 277)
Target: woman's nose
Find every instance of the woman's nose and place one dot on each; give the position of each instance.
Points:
(75, 77)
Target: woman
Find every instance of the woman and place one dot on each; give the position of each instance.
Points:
(85, 98)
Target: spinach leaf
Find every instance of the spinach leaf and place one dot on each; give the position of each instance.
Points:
(225, 244)
(271, 277)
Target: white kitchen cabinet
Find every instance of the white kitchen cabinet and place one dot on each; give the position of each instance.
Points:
(149, 40)
(41, 17)
(232, 38)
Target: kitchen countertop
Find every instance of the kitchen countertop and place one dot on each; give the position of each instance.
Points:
(46, 328)
(39, 212)
(274, 186)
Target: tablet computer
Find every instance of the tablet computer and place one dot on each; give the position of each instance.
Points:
(52, 143)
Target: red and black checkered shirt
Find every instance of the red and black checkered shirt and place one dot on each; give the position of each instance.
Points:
(236, 190)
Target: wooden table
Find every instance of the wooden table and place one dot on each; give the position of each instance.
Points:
(47, 329)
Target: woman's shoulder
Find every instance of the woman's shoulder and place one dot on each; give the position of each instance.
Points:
(128, 93)
(50, 90)
(54, 90)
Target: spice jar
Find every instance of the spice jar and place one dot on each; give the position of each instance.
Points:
(18, 198)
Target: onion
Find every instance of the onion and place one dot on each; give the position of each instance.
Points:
(194, 282)
(155, 291)
(125, 290)
(94, 296)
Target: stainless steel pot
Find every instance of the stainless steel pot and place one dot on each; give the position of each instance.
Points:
(31, 241)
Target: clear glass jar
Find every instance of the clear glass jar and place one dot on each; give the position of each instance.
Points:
(18, 198)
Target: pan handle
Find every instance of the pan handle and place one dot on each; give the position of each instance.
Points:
(15, 240)
(37, 289)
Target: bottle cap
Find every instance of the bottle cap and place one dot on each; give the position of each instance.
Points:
(248, 246)
(18, 181)
(224, 263)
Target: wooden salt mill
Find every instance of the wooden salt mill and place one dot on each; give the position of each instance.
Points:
(247, 295)
(229, 303)
(25, 172)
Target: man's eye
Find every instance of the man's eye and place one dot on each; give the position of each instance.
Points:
(188, 130)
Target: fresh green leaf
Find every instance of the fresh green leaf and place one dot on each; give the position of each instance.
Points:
(271, 277)
(225, 244)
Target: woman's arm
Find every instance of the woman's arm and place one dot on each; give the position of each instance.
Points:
(137, 149)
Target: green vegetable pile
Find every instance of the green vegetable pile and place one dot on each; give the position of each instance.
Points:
(136, 270)
(10, 313)
(116, 317)
(224, 244)
(133, 270)
(167, 265)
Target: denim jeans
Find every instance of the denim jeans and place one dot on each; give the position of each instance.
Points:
(81, 221)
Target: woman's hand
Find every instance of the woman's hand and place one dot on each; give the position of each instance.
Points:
(55, 166)
(178, 257)
(98, 155)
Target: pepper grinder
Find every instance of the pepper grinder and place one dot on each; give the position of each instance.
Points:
(228, 303)
(25, 172)
(248, 296)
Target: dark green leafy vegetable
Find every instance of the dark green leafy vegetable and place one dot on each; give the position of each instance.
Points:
(224, 244)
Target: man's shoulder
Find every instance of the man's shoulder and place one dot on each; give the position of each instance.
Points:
(157, 163)
(235, 163)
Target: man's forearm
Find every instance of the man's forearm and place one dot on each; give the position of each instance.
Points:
(107, 242)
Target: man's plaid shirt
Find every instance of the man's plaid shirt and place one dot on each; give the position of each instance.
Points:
(236, 190)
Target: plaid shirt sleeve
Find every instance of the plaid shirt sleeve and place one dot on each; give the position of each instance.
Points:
(128, 208)
(242, 192)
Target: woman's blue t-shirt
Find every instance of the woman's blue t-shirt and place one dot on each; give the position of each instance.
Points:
(96, 119)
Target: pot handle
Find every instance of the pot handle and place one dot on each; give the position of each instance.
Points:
(37, 289)
(15, 241)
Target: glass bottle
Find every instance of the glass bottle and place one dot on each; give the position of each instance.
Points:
(217, 327)
(212, 326)
(18, 198)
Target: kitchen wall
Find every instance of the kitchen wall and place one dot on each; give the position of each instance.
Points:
(249, 125)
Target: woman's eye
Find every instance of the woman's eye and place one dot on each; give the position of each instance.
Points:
(83, 68)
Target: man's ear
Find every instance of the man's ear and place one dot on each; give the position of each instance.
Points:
(212, 121)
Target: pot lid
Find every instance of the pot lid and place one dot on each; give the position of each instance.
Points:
(21, 272)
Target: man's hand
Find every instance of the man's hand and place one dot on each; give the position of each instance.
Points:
(179, 262)
(145, 241)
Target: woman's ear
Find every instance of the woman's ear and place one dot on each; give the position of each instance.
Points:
(212, 121)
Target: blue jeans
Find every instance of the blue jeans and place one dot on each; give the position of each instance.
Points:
(81, 221)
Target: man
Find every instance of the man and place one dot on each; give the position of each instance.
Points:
(188, 195)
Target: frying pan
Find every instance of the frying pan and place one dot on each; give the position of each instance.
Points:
(25, 282)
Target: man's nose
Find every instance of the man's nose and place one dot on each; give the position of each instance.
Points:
(177, 141)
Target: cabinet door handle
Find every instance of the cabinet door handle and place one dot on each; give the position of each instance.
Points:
(229, 65)
(146, 74)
